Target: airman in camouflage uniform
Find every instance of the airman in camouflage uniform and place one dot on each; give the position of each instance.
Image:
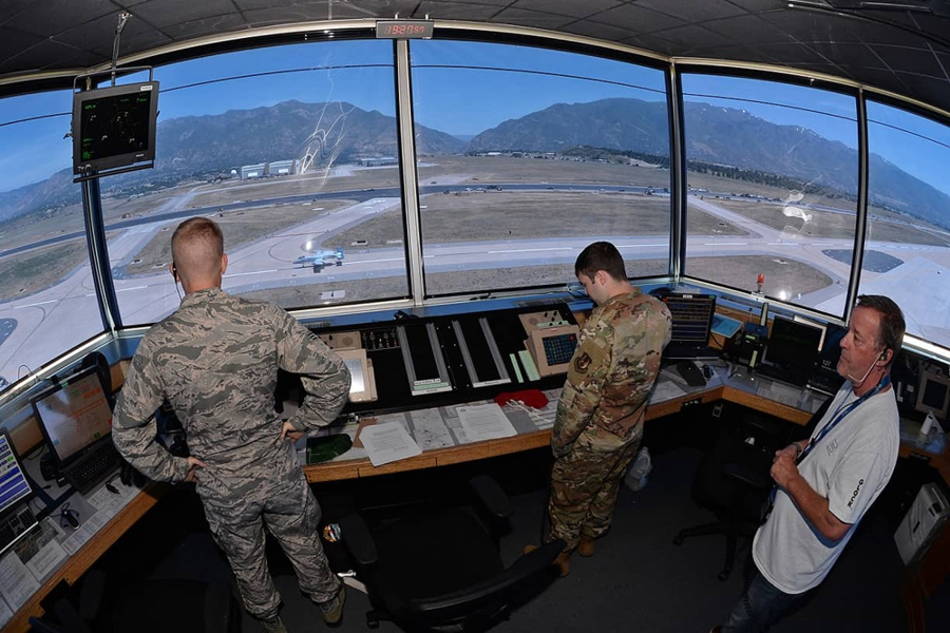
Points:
(215, 360)
(598, 426)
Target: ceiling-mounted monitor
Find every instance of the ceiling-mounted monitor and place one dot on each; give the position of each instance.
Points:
(114, 128)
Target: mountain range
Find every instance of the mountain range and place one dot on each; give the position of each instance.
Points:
(339, 132)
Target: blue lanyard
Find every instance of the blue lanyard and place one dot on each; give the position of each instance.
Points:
(841, 413)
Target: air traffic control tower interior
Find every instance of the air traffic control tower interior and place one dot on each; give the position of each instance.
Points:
(413, 180)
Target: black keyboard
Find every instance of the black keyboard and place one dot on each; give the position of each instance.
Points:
(783, 374)
(677, 350)
(16, 524)
(92, 467)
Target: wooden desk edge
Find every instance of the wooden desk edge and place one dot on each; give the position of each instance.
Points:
(77, 564)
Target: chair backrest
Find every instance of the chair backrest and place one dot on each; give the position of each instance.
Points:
(488, 599)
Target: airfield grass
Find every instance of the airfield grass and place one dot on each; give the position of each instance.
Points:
(794, 277)
(822, 223)
(499, 215)
(469, 170)
(458, 217)
(239, 228)
(26, 273)
(226, 193)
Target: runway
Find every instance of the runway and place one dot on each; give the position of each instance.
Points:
(59, 317)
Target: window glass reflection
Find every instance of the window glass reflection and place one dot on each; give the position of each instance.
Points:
(526, 155)
(290, 149)
(772, 176)
(907, 250)
(47, 299)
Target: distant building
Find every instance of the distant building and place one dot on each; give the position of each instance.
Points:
(253, 171)
(377, 161)
(282, 167)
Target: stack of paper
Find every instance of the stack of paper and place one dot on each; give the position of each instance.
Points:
(388, 442)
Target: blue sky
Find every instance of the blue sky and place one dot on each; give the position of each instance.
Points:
(459, 100)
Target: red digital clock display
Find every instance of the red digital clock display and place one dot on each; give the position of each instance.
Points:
(403, 29)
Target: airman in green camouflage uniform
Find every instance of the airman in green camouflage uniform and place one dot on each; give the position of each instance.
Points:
(598, 426)
(215, 360)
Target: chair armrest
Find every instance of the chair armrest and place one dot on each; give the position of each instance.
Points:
(471, 598)
(749, 475)
(492, 497)
(358, 540)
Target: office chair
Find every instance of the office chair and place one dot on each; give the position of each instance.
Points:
(733, 481)
(188, 592)
(441, 567)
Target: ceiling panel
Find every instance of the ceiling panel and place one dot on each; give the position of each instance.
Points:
(697, 11)
(533, 18)
(65, 34)
(165, 13)
(572, 8)
(455, 11)
(59, 15)
(638, 19)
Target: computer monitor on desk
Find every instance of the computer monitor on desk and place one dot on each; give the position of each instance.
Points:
(15, 492)
(791, 351)
(76, 422)
(933, 394)
(692, 318)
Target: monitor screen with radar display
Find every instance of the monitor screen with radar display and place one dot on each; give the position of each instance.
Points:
(114, 127)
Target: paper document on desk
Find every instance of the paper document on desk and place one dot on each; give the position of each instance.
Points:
(485, 422)
(5, 612)
(388, 442)
(430, 429)
(17, 584)
(665, 390)
(779, 392)
(40, 551)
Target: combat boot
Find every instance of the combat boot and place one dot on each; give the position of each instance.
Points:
(586, 546)
(562, 562)
(273, 625)
(332, 609)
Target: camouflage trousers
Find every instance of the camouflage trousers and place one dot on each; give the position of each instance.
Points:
(584, 487)
(286, 506)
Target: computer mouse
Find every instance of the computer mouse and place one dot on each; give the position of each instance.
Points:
(72, 518)
(707, 371)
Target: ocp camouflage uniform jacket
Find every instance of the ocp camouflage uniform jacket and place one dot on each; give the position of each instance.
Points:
(215, 360)
(613, 370)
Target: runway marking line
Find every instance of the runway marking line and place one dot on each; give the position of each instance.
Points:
(31, 305)
(253, 272)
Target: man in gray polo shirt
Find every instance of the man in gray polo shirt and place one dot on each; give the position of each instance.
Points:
(824, 485)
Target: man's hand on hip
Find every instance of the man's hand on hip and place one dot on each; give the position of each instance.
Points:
(288, 432)
(194, 465)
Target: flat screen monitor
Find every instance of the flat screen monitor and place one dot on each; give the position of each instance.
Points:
(14, 486)
(792, 344)
(692, 316)
(74, 415)
(933, 394)
(821, 328)
(114, 127)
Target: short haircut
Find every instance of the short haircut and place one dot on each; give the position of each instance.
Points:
(892, 320)
(201, 229)
(600, 256)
